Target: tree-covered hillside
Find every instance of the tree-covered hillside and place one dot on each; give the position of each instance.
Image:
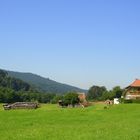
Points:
(44, 84)
(16, 90)
(13, 83)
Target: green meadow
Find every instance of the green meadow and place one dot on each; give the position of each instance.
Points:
(120, 122)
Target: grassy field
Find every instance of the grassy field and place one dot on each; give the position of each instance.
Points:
(49, 122)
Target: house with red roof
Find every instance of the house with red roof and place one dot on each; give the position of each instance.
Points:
(133, 90)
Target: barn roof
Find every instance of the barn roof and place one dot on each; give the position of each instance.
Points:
(136, 83)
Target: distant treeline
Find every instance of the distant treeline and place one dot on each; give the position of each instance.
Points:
(8, 95)
(101, 93)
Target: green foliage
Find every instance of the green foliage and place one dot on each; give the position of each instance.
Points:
(47, 98)
(15, 90)
(71, 98)
(13, 83)
(101, 93)
(8, 95)
(117, 92)
(96, 92)
(56, 99)
(137, 101)
(127, 101)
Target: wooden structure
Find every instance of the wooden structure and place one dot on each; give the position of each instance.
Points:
(132, 91)
(21, 105)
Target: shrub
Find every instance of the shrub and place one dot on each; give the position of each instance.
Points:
(132, 101)
(127, 101)
(136, 101)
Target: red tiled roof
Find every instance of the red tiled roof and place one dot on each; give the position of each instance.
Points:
(136, 83)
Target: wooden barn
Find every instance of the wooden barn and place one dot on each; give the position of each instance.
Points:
(133, 90)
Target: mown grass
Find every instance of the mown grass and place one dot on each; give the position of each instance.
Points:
(49, 122)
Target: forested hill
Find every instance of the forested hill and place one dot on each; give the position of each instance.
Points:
(13, 83)
(15, 90)
(44, 84)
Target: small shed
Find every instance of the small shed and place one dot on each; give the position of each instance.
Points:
(116, 101)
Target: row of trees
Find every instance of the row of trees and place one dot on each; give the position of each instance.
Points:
(101, 93)
(8, 95)
(95, 93)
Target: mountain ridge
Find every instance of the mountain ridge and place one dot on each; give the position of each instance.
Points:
(44, 84)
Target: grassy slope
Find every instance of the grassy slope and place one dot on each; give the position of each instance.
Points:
(51, 123)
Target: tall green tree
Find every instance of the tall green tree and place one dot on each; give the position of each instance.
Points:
(116, 92)
(96, 92)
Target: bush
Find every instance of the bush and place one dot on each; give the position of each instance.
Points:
(136, 101)
(127, 101)
(56, 99)
(132, 101)
(71, 98)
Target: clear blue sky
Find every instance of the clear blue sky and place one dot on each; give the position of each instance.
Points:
(78, 42)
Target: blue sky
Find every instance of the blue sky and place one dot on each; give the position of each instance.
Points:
(78, 42)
